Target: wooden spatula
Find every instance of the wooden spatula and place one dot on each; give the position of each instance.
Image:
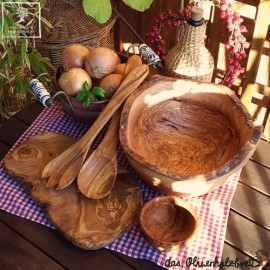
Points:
(98, 173)
(62, 170)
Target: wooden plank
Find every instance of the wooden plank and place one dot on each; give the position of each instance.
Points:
(124, 34)
(138, 263)
(257, 208)
(246, 235)
(256, 176)
(262, 154)
(257, 44)
(16, 253)
(11, 131)
(232, 254)
(50, 242)
(3, 149)
(29, 113)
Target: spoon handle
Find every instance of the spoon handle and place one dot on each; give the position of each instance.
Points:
(110, 138)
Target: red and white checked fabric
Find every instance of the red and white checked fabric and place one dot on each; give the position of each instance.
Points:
(212, 209)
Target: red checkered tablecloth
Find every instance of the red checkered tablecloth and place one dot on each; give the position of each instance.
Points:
(212, 209)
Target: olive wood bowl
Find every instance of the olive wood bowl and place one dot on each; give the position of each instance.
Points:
(184, 137)
(168, 223)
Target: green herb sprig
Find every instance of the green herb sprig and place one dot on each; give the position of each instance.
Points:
(88, 95)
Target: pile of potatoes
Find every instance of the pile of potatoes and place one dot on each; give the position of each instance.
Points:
(98, 67)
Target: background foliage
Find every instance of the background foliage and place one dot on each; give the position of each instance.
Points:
(20, 61)
(101, 10)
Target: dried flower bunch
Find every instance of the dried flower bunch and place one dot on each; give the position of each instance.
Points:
(236, 45)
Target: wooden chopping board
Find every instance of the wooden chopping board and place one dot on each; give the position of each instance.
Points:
(87, 223)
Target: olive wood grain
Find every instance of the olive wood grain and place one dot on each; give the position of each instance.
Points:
(179, 134)
(168, 223)
(87, 223)
(63, 169)
(97, 175)
(132, 62)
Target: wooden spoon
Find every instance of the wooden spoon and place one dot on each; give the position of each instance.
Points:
(97, 175)
(63, 169)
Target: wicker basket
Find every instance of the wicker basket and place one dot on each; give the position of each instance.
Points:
(72, 25)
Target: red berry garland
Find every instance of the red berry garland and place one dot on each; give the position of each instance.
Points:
(236, 44)
(170, 19)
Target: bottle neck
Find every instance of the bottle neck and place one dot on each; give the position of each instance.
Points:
(195, 23)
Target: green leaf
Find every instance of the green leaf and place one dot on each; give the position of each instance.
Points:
(100, 10)
(6, 28)
(87, 101)
(86, 86)
(10, 57)
(26, 84)
(98, 92)
(139, 5)
(81, 95)
(44, 60)
(46, 22)
(34, 64)
(4, 55)
(23, 50)
(19, 84)
(37, 63)
(42, 2)
(8, 21)
(27, 62)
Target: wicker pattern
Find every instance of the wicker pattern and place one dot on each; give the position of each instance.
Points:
(72, 25)
(189, 58)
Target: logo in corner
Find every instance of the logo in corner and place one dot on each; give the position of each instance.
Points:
(26, 17)
(263, 257)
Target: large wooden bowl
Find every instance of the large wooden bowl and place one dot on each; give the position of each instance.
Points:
(168, 223)
(184, 137)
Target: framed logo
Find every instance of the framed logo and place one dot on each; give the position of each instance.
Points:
(26, 18)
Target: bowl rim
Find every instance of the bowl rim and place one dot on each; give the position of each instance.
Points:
(231, 166)
(171, 199)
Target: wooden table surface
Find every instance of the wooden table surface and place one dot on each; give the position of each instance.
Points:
(27, 245)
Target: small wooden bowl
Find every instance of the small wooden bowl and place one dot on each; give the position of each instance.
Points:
(184, 137)
(168, 223)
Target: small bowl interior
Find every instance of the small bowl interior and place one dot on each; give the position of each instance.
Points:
(166, 220)
(185, 128)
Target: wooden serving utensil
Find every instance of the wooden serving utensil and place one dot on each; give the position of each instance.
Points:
(63, 169)
(97, 175)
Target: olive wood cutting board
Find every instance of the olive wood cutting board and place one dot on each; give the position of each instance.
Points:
(87, 223)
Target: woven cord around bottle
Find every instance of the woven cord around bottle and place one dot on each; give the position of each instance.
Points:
(189, 58)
